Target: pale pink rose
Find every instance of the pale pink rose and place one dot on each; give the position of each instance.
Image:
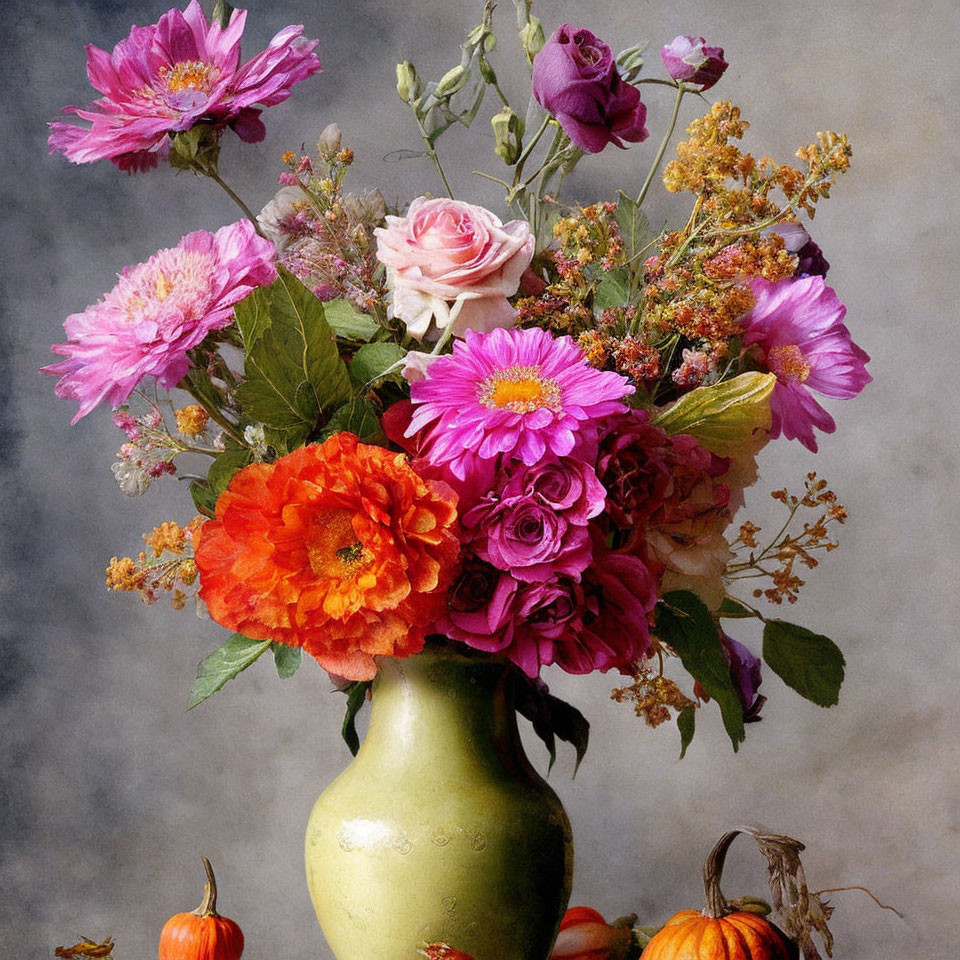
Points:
(455, 264)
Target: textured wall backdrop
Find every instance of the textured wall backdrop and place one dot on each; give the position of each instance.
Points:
(110, 789)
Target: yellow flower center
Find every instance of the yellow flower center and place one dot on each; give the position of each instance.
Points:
(333, 548)
(520, 389)
(163, 286)
(788, 363)
(189, 75)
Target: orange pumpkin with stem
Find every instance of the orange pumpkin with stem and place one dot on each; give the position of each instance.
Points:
(202, 934)
(718, 932)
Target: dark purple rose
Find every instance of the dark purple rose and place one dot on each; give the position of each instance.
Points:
(480, 607)
(575, 77)
(812, 262)
(691, 60)
(746, 676)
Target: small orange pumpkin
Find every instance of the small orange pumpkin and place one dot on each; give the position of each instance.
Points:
(203, 934)
(718, 932)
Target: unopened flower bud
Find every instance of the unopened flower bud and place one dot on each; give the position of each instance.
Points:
(532, 38)
(630, 63)
(486, 71)
(452, 81)
(329, 143)
(408, 83)
(508, 134)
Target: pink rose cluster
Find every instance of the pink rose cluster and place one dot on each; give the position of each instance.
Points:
(564, 492)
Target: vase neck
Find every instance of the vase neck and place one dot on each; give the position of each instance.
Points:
(442, 707)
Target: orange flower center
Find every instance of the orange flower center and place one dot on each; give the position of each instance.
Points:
(520, 389)
(333, 547)
(788, 363)
(189, 75)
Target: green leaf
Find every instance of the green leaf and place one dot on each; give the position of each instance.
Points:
(224, 467)
(725, 417)
(204, 499)
(294, 377)
(611, 290)
(732, 608)
(807, 662)
(221, 14)
(687, 725)
(634, 226)
(224, 664)
(371, 361)
(684, 623)
(348, 322)
(286, 659)
(358, 417)
(356, 697)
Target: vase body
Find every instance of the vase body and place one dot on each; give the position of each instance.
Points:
(440, 830)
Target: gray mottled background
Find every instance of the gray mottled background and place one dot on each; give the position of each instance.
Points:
(110, 789)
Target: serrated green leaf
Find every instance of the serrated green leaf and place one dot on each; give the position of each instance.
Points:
(357, 417)
(224, 467)
(687, 725)
(684, 623)
(633, 223)
(611, 290)
(204, 499)
(286, 659)
(551, 718)
(348, 322)
(228, 660)
(805, 661)
(725, 417)
(294, 376)
(731, 608)
(372, 360)
(356, 698)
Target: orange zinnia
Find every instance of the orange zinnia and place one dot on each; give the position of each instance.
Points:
(340, 548)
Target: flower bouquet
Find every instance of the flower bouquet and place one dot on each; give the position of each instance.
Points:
(439, 449)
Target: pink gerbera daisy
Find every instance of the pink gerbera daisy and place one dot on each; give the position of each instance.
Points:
(518, 393)
(157, 312)
(172, 75)
(797, 326)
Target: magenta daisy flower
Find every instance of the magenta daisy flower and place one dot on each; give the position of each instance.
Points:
(797, 327)
(172, 75)
(518, 393)
(157, 312)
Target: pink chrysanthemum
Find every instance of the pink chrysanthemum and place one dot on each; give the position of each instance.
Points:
(797, 325)
(514, 392)
(172, 75)
(157, 312)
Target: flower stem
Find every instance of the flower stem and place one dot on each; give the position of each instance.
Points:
(248, 213)
(433, 155)
(681, 90)
(528, 149)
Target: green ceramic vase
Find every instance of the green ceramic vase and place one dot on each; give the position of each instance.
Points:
(440, 830)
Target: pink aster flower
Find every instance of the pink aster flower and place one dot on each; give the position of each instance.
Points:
(157, 312)
(797, 328)
(172, 75)
(519, 393)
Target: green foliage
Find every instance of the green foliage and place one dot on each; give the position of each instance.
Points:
(221, 13)
(286, 658)
(552, 718)
(685, 624)
(611, 290)
(348, 322)
(731, 608)
(356, 698)
(634, 228)
(687, 725)
(807, 662)
(294, 377)
(372, 360)
(226, 662)
(358, 417)
(725, 417)
(203, 498)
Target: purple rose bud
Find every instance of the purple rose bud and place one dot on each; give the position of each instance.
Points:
(746, 676)
(575, 77)
(691, 60)
(812, 261)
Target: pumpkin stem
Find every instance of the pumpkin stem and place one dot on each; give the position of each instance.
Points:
(717, 905)
(208, 905)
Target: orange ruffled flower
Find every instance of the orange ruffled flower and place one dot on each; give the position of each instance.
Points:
(340, 548)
